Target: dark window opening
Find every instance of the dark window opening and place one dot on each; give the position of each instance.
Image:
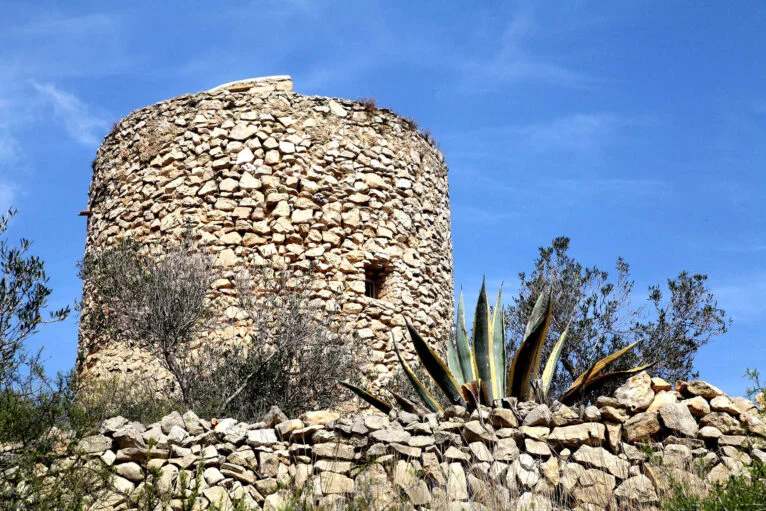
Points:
(374, 281)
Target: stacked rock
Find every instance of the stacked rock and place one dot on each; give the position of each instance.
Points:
(265, 176)
(625, 450)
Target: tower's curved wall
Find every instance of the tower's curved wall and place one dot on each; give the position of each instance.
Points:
(268, 175)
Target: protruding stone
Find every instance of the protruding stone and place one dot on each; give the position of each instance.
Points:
(95, 444)
(638, 489)
(636, 394)
(723, 422)
(591, 433)
(724, 404)
(337, 109)
(641, 426)
(503, 418)
(334, 450)
(539, 416)
(170, 420)
(677, 418)
(658, 385)
(506, 450)
(602, 459)
(320, 417)
(698, 406)
(701, 388)
(474, 431)
(332, 483)
(661, 399)
(130, 471)
(594, 487)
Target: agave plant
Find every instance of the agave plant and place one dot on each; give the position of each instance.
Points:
(477, 372)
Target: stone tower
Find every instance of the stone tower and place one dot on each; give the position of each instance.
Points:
(266, 175)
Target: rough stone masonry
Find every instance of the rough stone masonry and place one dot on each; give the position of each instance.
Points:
(268, 176)
(622, 453)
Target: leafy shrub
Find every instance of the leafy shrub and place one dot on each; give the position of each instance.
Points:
(756, 392)
(34, 408)
(297, 349)
(674, 324)
(297, 352)
(154, 300)
(137, 399)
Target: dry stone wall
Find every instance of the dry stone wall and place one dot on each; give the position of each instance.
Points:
(621, 453)
(267, 176)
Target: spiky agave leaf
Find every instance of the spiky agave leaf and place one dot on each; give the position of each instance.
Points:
(464, 352)
(526, 363)
(425, 396)
(574, 391)
(378, 403)
(409, 405)
(498, 346)
(475, 393)
(436, 368)
(453, 361)
(599, 366)
(553, 360)
(482, 340)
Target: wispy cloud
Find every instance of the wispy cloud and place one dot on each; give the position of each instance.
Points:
(517, 61)
(9, 147)
(472, 214)
(578, 132)
(744, 297)
(6, 196)
(87, 25)
(611, 186)
(79, 120)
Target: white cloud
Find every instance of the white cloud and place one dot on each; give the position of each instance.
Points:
(6, 196)
(79, 121)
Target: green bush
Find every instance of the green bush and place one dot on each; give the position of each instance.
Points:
(35, 409)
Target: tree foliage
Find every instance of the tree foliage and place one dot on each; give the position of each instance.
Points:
(34, 408)
(154, 300)
(674, 322)
(296, 354)
(158, 301)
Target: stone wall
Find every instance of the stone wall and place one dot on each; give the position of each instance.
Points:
(268, 176)
(621, 453)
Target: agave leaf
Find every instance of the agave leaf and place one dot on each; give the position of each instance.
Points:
(464, 352)
(599, 366)
(498, 346)
(425, 396)
(526, 362)
(553, 360)
(482, 341)
(436, 368)
(453, 361)
(573, 392)
(472, 394)
(378, 403)
(408, 405)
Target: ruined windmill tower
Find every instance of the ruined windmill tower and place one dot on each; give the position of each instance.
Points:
(268, 175)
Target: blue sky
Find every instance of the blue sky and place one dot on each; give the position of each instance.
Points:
(635, 128)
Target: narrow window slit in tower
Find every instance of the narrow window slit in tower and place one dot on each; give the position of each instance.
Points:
(375, 281)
